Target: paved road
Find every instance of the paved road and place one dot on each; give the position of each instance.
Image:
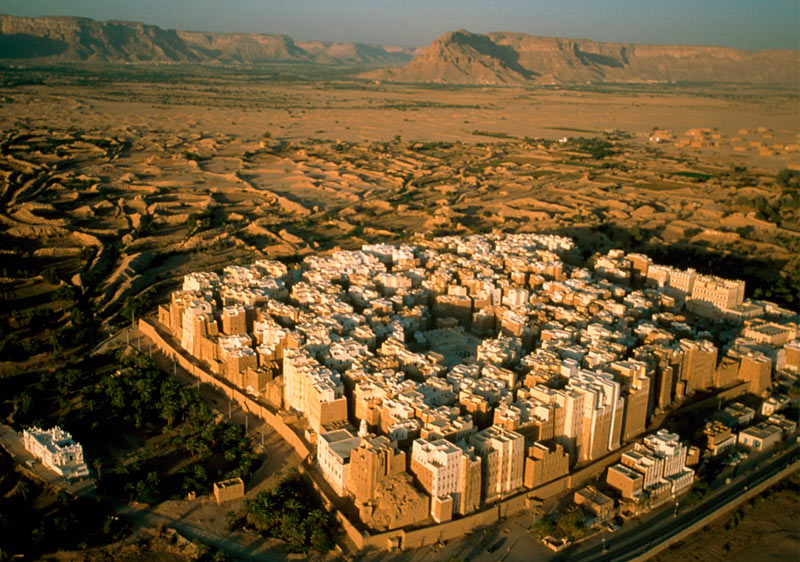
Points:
(628, 544)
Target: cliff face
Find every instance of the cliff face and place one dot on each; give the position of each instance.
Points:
(244, 47)
(461, 57)
(357, 53)
(50, 39)
(82, 39)
(458, 57)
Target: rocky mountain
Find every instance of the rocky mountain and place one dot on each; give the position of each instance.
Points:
(69, 39)
(461, 57)
(357, 53)
(83, 39)
(244, 47)
(458, 57)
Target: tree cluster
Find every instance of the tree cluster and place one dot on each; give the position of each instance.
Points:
(789, 180)
(137, 305)
(33, 522)
(290, 512)
(697, 493)
(145, 398)
(595, 147)
(571, 525)
(197, 222)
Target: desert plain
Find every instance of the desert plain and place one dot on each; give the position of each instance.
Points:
(115, 181)
(119, 180)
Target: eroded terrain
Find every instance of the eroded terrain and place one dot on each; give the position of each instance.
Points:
(115, 183)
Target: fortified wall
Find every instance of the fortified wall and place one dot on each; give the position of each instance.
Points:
(276, 420)
(398, 538)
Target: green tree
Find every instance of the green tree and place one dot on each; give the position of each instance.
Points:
(231, 520)
(67, 293)
(789, 179)
(571, 525)
(63, 498)
(23, 402)
(51, 276)
(97, 464)
(288, 512)
(543, 527)
(221, 556)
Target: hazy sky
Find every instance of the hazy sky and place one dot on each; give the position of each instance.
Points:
(748, 24)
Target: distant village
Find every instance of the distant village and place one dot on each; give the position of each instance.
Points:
(760, 140)
(429, 382)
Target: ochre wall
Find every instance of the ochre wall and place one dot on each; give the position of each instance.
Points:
(397, 538)
(246, 402)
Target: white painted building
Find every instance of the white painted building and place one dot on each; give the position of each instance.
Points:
(333, 456)
(503, 455)
(448, 473)
(443, 460)
(57, 451)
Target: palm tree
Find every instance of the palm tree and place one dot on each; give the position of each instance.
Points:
(293, 505)
(169, 409)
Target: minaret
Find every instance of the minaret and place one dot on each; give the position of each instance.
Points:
(363, 431)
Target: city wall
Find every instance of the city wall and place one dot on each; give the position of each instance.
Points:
(398, 538)
(723, 396)
(581, 477)
(403, 539)
(415, 538)
(247, 403)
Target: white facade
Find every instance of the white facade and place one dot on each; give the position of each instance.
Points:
(672, 452)
(57, 451)
(650, 465)
(667, 445)
(333, 457)
(503, 455)
(309, 386)
(193, 311)
(602, 396)
(722, 293)
(443, 460)
(200, 281)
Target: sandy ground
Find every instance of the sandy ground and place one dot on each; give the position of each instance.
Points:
(358, 112)
(104, 181)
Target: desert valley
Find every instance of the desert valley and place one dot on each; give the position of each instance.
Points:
(132, 156)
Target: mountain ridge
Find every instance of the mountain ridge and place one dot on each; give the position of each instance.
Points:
(506, 58)
(457, 57)
(77, 39)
